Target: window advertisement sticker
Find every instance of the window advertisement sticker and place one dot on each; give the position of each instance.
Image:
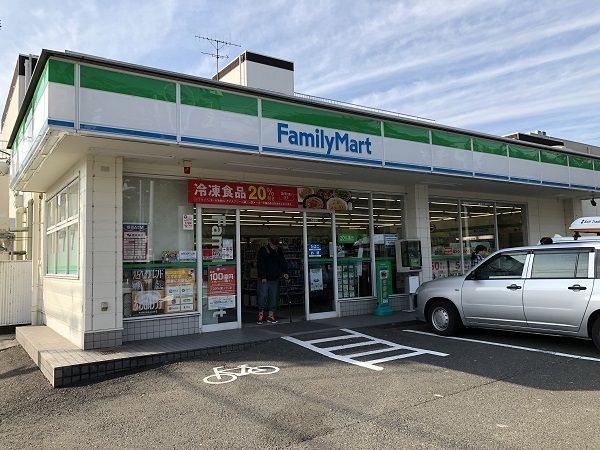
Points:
(221, 287)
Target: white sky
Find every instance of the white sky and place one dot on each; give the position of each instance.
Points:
(495, 66)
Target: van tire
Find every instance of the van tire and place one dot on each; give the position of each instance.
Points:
(443, 318)
(595, 335)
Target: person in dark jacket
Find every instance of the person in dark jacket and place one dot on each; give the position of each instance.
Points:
(478, 255)
(271, 265)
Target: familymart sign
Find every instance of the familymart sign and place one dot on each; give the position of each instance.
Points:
(295, 139)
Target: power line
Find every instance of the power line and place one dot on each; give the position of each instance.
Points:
(218, 46)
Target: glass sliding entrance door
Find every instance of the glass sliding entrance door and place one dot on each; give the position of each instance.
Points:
(219, 268)
(257, 228)
(320, 270)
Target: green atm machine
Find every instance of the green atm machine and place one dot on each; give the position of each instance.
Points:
(383, 277)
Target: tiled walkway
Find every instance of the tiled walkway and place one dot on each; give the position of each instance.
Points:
(64, 364)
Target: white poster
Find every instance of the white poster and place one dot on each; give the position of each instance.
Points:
(227, 249)
(316, 279)
(221, 302)
(188, 222)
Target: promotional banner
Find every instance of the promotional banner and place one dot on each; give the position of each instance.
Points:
(241, 194)
(221, 287)
(145, 291)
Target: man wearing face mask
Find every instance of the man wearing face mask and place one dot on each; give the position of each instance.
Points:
(271, 265)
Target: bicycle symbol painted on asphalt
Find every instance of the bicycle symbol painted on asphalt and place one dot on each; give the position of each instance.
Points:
(222, 375)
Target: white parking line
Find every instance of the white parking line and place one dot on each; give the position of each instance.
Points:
(498, 344)
(369, 340)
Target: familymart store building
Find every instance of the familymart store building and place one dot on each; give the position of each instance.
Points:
(158, 189)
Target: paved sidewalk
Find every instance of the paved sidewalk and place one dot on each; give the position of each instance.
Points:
(63, 364)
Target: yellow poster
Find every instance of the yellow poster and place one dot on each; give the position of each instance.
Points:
(179, 290)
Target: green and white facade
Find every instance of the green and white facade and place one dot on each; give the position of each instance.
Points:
(89, 126)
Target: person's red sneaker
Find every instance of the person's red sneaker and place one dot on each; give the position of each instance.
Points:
(272, 319)
(261, 317)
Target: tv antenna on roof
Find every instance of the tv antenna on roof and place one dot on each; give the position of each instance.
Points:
(218, 45)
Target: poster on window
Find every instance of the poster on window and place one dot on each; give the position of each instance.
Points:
(146, 289)
(135, 242)
(316, 279)
(316, 198)
(179, 289)
(221, 287)
(227, 249)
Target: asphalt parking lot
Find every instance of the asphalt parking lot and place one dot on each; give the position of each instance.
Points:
(478, 396)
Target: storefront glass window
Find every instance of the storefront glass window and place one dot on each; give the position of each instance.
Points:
(62, 231)
(61, 203)
(219, 261)
(445, 238)
(73, 247)
(511, 221)
(353, 249)
(492, 225)
(73, 199)
(159, 253)
(387, 223)
(478, 229)
(51, 253)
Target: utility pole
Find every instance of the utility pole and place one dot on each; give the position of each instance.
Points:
(218, 46)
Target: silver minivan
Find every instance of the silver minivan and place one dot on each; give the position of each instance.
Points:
(550, 289)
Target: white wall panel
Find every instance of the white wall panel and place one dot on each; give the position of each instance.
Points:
(523, 169)
(40, 114)
(583, 178)
(61, 103)
(452, 160)
(488, 164)
(220, 126)
(400, 152)
(127, 112)
(555, 173)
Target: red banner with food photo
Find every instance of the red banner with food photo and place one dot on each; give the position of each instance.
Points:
(210, 192)
(317, 198)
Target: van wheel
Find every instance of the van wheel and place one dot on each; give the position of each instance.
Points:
(596, 333)
(443, 318)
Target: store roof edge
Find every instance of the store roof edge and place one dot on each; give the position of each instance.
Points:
(176, 76)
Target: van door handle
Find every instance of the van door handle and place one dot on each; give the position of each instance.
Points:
(514, 287)
(577, 287)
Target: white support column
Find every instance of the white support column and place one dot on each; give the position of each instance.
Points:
(416, 224)
(572, 210)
